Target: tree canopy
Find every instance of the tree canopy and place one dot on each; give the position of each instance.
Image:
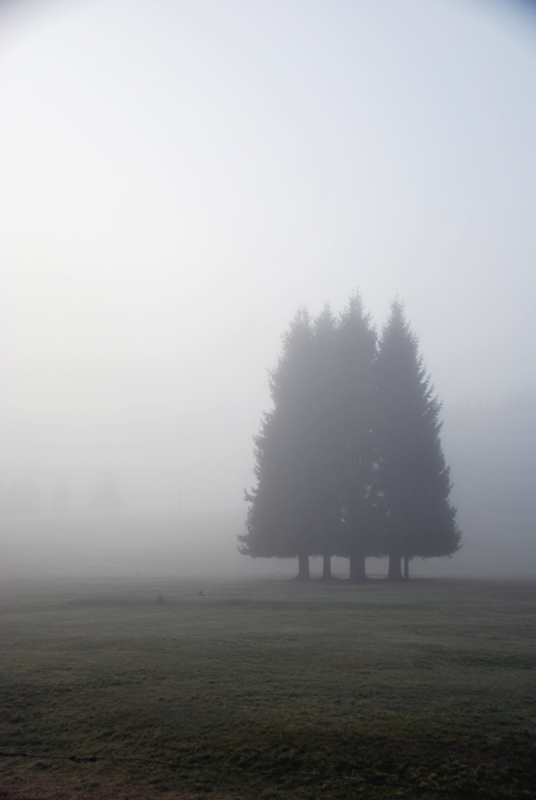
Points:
(349, 460)
(418, 518)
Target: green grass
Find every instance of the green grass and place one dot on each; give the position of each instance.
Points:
(411, 689)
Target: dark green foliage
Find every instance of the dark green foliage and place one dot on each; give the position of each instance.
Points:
(357, 467)
(419, 520)
(281, 515)
(349, 461)
(324, 410)
(107, 497)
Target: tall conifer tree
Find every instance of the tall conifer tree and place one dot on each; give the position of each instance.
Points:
(419, 519)
(324, 415)
(357, 458)
(349, 460)
(281, 516)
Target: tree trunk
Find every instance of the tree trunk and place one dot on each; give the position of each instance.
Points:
(326, 569)
(395, 573)
(303, 567)
(357, 568)
(406, 568)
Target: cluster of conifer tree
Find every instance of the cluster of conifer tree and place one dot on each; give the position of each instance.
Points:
(349, 460)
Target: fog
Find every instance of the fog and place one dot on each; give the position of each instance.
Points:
(176, 178)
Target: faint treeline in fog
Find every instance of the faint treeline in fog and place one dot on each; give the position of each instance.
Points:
(491, 448)
(24, 495)
(126, 545)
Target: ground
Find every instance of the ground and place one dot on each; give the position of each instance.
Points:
(268, 689)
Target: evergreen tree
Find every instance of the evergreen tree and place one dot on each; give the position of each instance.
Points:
(418, 518)
(349, 460)
(357, 462)
(280, 519)
(324, 437)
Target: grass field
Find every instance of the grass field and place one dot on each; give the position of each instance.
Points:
(424, 690)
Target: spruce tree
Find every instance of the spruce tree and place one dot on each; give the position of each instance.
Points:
(357, 458)
(418, 518)
(323, 414)
(281, 516)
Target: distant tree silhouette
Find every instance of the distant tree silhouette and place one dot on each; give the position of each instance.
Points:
(323, 454)
(107, 497)
(418, 518)
(62, 499)
(357, 451)
(349, 460)
(23, 496)
(280, 518)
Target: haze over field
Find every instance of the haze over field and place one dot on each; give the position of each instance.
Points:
(176, 178)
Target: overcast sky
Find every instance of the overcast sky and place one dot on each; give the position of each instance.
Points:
(176, 178)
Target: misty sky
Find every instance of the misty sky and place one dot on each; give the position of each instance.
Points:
(176, 178)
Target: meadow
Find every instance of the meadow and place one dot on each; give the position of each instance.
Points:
(268, 689)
